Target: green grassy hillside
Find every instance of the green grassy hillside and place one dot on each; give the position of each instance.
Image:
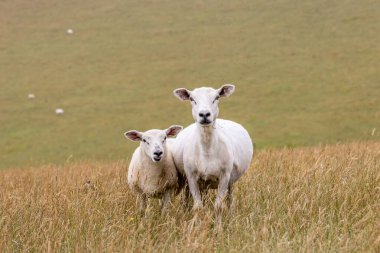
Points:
(306, 72)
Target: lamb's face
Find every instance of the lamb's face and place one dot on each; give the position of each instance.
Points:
(204, 102)
(153, 142)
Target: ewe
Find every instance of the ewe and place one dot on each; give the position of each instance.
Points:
(152, 172)
(211, 153)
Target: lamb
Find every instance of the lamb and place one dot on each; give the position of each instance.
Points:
(211, 153)
(152, 172)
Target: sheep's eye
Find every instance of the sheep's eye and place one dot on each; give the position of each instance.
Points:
(217, 97)
(164, 140)
(144, 141)
(192, 100)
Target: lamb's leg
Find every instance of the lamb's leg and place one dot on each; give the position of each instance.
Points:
(142, 200)
(194, 189)
(165, 201)
(222, 191)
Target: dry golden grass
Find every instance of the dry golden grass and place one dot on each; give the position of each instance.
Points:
(323, 199)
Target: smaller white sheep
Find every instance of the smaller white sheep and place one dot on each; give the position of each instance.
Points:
(152, 172)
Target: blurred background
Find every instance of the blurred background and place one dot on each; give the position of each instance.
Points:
(306, 72)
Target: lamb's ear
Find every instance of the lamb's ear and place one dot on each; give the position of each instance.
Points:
(226, 90)
(133, 135)
(182, 93)
(172, 131)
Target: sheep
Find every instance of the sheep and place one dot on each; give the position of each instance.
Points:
(59, 111)
(211, 153)
(152, 172)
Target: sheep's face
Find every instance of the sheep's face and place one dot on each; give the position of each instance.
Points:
(204, 102)
(153, 142)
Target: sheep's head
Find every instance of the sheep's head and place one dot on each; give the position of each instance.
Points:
(153, 142)
(204, 102)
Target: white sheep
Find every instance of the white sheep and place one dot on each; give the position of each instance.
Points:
(152, 172)
(59, 111)
(211, 153)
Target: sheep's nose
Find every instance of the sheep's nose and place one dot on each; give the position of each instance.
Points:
(158, 153)
(204, 114)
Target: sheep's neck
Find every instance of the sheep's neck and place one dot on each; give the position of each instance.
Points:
(207, 137)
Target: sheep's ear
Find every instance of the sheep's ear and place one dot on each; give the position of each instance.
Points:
(182, 94)
(133, 135)
(226, 90)
(173, 131)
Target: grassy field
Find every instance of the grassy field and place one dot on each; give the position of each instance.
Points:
(307, 72)
(320, 199)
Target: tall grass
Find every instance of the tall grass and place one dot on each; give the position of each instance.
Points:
(324, 198)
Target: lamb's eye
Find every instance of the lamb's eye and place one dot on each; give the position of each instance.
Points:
(216, 99)
(192, 100)
(144, 141)
(164, 140)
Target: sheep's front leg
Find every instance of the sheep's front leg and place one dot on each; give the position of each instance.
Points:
(222, 191)
(194, 190)
(229, 196)
(165, 201)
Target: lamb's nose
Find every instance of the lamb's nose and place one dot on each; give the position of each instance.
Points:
(158, 153)
(204, 114)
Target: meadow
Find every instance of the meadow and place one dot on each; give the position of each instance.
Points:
(306, 72)
(307, 90)
(317, 199)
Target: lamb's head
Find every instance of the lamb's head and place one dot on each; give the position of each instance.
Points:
(205, 102)
(153, 142)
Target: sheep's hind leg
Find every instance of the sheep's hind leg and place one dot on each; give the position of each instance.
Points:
(222, 191)
(186, 198)
(186, 195)
(230, 197)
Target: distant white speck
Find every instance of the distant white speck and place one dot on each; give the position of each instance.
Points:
(70, 31)
(31, 96)
(59, 111)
